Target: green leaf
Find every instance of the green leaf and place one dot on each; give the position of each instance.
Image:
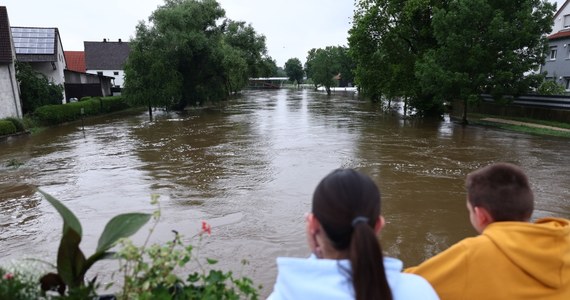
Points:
(121, 226)
(70, 259)
(211, 261)
(69, 219)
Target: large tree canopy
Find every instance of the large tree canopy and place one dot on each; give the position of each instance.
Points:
(485, 46)
(323, 65)
(294, 70)
(429, 51)
(189, 53)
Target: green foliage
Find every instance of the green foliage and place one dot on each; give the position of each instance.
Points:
(323, 65)
(18, 286)
(189, 53)
(151, 272)
(485, 46)
(7, 127)
(18, 123)
(72, 265)
(294, 70)
(551, 87)
(432, 51)
(35, 88)
(57, 114)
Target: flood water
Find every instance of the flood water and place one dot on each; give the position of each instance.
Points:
(249, 168)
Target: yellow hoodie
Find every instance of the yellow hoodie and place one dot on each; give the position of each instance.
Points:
(509, 260)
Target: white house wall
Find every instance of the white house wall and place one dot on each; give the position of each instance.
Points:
(559, 20)
(10, 105)
(119, 79)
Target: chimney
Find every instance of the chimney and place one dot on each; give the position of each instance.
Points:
(104, 40)
(120, 40)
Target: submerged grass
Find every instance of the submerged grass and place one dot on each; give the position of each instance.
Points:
(557, 129)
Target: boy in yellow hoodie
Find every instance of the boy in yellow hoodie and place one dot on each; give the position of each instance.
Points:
(511, 258)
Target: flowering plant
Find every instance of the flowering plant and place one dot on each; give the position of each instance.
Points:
(18, 286)
(150, 272)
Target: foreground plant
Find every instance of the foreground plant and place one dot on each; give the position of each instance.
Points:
(15, 285)
(72, 265)
(151, 272)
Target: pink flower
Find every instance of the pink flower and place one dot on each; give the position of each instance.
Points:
(206, 228)
(8, 276)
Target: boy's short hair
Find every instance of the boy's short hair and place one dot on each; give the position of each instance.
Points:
(503, 190)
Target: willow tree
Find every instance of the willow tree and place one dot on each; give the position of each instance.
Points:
(188, 54)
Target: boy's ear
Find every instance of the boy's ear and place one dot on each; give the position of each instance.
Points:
(483, 217)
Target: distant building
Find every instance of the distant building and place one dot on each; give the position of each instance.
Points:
(75, 61)
(107, 58)
(557, 63)
(10, 105)
(42, 49)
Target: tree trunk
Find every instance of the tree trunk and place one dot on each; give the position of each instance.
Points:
(328, 88)
(405, 106)
(150, 112)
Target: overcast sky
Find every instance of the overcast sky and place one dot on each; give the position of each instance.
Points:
(292, 27)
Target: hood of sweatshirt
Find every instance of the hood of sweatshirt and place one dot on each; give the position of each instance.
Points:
(541, 249)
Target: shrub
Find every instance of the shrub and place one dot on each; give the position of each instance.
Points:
(57, 114)
(7, 127)
(151, 272)
(18, 123)
(18, 286)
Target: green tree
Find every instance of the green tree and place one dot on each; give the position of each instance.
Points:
(188, 53)
(35, 89)
(485, 46)
(386, 40)
(294, 70)
(323, 65)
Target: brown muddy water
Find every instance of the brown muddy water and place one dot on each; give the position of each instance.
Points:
(249, 169)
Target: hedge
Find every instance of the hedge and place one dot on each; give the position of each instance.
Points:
(7, 127)
(57, 114)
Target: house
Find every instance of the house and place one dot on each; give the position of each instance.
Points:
(81, 84)
(75, 61)
(557, 63)
(42, 49)
(10, 105)
(107, 58)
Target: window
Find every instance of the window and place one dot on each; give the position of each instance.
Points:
(567, 83)
(553, 53)
(115, 73)
(566, 21)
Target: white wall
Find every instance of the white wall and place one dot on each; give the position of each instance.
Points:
(10, 105)
(559, 20)
(119, 79)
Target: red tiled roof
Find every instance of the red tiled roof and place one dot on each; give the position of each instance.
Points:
(75, 60)
(559, 35)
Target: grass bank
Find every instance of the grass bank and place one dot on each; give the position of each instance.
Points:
(525, 125)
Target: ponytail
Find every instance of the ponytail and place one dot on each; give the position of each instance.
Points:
(368, 274)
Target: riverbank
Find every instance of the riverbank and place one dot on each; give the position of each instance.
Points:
(526, 125)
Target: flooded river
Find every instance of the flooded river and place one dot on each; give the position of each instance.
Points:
(249, 168)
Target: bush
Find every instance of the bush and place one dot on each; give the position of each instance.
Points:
(7, 127)
(18, 286)
(18, 123)
(57, 114)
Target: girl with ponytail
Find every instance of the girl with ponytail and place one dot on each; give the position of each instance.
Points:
(347, 261)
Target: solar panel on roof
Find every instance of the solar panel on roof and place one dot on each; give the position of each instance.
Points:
(34, 40)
